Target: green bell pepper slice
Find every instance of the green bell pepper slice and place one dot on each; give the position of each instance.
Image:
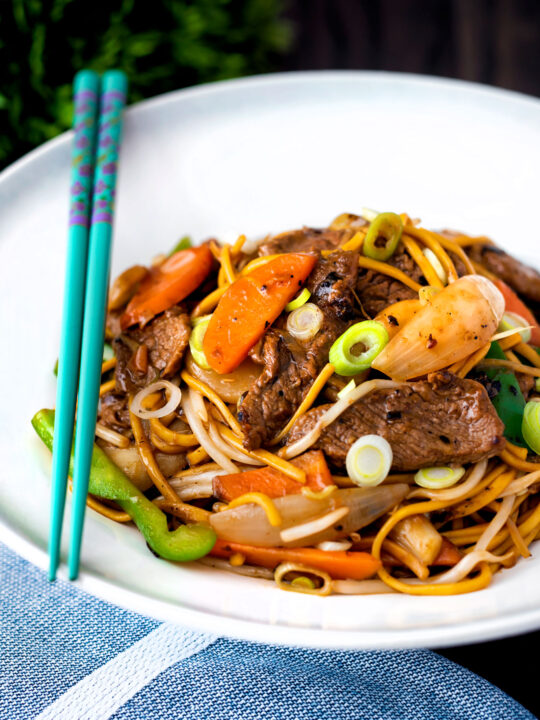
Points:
(188, 542)
(509, 401)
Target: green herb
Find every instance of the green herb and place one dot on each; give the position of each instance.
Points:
(178, 43)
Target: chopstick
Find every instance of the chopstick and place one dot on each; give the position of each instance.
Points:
(91, 297)
(86, 88)
(113, 99)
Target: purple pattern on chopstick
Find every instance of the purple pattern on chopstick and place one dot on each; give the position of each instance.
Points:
(112, 104)
(81, 175)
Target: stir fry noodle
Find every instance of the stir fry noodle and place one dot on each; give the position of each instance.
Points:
(349, 410)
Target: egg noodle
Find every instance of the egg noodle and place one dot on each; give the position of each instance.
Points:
(277, 492)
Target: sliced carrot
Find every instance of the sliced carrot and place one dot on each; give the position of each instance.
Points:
(449, 555)
(250, 305)
(516, 305)
(168, 284)
(265, 480)
(318, 475)
(340, 564)
(272, 482)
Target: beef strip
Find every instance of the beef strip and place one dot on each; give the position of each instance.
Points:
(165, 339)
(290, 366)
(308, 240)
(526, 384)
(112, 325)
(330, 284)
(460, 266)
(113, 412)
(439, 421)
(521, 278)
(376, 290)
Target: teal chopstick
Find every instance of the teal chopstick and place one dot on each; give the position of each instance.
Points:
(86, 87)
(113, 98)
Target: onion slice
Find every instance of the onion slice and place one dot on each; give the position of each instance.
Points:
(313, 526)
(174, 395)
(229, 450)
(466, 565)
(521, 484)
(334, 545)
(462, 569)
(200, 432)
(496, 523)
(435, 263)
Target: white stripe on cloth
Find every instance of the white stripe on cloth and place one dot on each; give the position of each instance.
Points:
(100, 694)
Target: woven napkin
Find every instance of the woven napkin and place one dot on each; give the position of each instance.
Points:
(64, 655)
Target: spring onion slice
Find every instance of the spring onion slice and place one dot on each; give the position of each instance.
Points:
(349, 387)
(287, 567)
(513, 321)
(437, 478)
(531, 425)
(302, 581)
(305, 322)
(383, 236)
(369, 460)
(196, 341)
(371, 334)
(299, 300)
(435, 263)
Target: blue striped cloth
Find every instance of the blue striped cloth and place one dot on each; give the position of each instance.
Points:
(65, 655)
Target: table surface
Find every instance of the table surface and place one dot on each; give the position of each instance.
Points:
(45, 608)
(511, 664)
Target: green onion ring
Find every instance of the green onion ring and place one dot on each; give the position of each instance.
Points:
(531, 425)
(298, 301)
(371, 334)
(196, 341)
(387, 226)
(436, 478)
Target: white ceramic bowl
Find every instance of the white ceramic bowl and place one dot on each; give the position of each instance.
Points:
(255, 156)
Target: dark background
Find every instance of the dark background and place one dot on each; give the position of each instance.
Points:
(169, 44)
(487, 41)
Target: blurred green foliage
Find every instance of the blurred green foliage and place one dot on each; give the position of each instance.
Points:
(162, 45)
